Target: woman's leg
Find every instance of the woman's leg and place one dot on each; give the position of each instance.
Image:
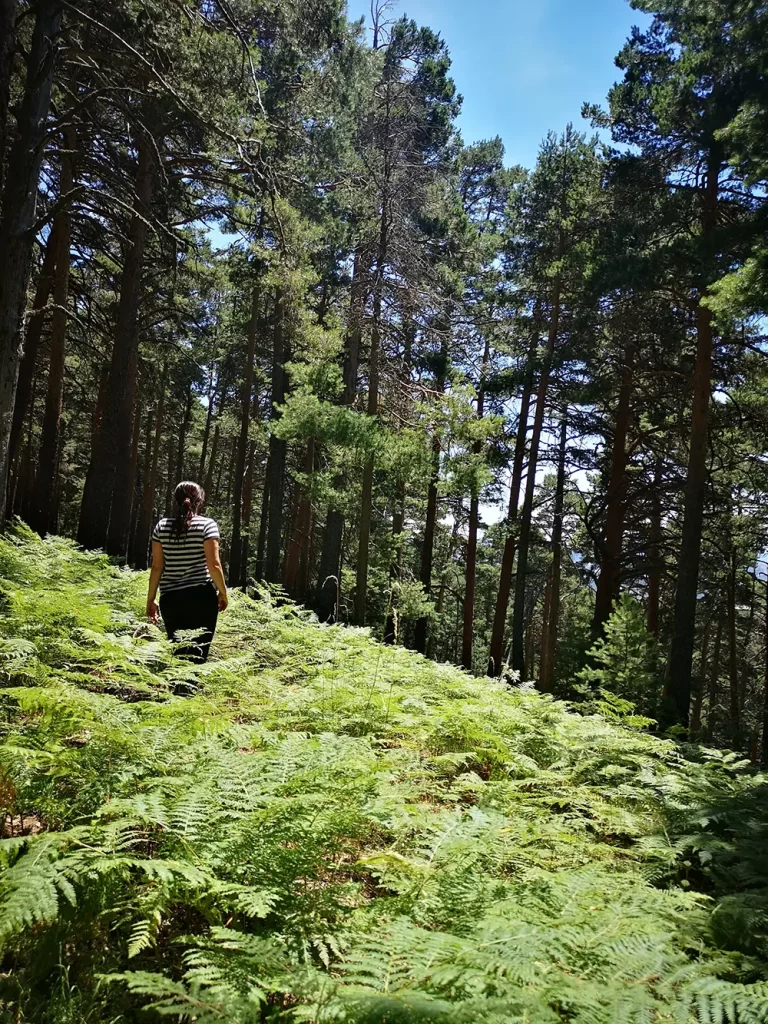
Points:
(209, 602)
(169, 610)
(194, 608)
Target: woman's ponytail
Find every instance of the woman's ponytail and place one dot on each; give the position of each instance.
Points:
(189, 500)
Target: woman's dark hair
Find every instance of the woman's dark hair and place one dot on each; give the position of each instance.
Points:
(189, 499)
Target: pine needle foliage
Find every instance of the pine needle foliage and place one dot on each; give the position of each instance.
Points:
(330, 830)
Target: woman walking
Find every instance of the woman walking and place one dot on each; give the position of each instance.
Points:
(187, 568)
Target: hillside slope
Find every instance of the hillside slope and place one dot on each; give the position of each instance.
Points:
(331, 830)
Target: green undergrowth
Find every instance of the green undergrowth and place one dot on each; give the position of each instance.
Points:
(330, 830)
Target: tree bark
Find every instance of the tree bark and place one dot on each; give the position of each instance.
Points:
(714, 679)
(103, 513)
(138, 550)
(298, 547)
(207, 429)
(545, 614)
(733, 658)
(698, 699)
(41, 518)
(496, 653)
(329, 584)
(396, 568)
(144, 528)
(354, 336)
(518, 615)
(183, 429)
(22, 482)
(208, 484)
(470, 581)
(277, 449)
(261, 546)
(236, 578)
(609, 580)
(744, 662)
(681, 655)
(170, 477)
(101, 399)
(36, 323)
(8, 13)
(19, 201)
(430, 525)
(654, 552)
(366, 500)
(137, 483)
(247, 511)
(552, 622)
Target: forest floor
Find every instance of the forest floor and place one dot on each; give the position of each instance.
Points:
(332, 830)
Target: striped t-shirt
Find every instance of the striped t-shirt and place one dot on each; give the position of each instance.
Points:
(184, 554)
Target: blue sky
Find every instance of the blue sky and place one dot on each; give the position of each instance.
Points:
(524, 66)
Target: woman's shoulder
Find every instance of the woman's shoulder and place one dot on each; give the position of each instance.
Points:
(209, 527)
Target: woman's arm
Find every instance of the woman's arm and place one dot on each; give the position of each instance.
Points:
(213, 562)
(158, 564)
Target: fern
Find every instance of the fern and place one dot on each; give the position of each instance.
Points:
(332, 831)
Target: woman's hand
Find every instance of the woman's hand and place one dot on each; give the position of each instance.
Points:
(223, 600)
(153, 611)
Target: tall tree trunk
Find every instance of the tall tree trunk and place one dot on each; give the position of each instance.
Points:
(307, 518)
(277, 449)
(17, 217)
(144, 528)
(261, 547)
(470, 579)
(745, 665)
(208, 484)
(219, 475)
(496, 652)
(329, 583)
(105, 491)
(207, 429)
(138, 553)
(530, 646)
(443, 588)
(354, 336)
(609, 580)
(236, 578)
(681, 654)
(8, 14)
(183, 429)
(247, 511)
(698, 697)
(58, 487)
(137, 484)
(518, 615)
(170, 478)
(428, 547)
(430, 524)
(101, 399)
(396, 568)
(298, 545)
(552, 622)
(733, 657)
(654, 551)
(22, 482)
(714, 679)
(366, 500)
(48, 455)
(36, 323)
(765, 684)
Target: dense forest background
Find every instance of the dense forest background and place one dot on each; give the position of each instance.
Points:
(511, 418)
